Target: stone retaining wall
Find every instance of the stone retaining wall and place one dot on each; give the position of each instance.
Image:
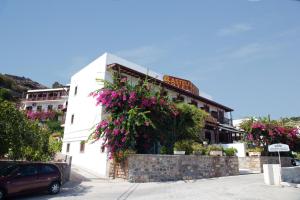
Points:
(155, 168)
(255, 163)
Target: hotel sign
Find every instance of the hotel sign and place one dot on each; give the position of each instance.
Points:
(278, 148)
(181, 83)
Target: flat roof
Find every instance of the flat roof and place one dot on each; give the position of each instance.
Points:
(132, 72)
(48, 90)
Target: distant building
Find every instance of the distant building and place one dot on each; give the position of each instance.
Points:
(83, 114)
(46, 100)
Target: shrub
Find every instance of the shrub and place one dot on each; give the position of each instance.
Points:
(255, 149)
(230, 151)
(184, 145)
(163, 150)
(198, 149)
(297, 156)
(213, 148)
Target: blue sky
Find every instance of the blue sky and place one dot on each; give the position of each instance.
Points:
(245, 53)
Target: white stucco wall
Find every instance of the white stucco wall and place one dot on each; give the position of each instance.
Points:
(86, 116)
(240, 147)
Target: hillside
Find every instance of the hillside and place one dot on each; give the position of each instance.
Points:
(13, 87)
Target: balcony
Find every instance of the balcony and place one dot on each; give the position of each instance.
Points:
(220, 118)
(226, 121)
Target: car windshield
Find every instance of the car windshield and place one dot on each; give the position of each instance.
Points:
(7, 170)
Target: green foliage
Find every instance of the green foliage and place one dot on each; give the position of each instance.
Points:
(184, 145)
(55, 145)
(255, 149)
(21, 138)
(57, 85)
(163, 150)
(189, 122)
(297, 155)
(199, 149)
(54, 126)
(5, 95)
(246, 125)
(9, 83)
(230, 151)
(213, 148)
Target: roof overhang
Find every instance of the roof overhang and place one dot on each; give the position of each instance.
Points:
(134, 73)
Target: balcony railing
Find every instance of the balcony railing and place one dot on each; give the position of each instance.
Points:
(222, 120)
(226, 121)
(43, 98)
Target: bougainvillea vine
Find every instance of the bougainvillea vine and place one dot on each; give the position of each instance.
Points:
(131, 114)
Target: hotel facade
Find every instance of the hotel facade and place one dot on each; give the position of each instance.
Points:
(83, 114)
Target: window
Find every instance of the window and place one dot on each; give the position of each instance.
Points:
(39, 108)
(82, 146)
(178, 99)
(47, 169)
(206, 108)
(193, 102)
(75, 92)
(72, 119)
(60, 107)
(68, 147)
(28, 170)
(50, 107)
(29, 108)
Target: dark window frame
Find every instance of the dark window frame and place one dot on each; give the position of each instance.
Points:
(72, 119)
(76, 89)
(82, 146)
(68, 147)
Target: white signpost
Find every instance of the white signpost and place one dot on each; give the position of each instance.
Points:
(279, 148)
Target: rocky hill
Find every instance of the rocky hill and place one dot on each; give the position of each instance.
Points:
(16, 86)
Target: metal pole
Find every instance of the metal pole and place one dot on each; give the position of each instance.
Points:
(279, 167)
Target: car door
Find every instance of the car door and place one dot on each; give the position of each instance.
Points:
(46, 175)
(24, 180)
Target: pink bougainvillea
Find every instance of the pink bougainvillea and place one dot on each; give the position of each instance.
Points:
(40, 115)
(131, 110)
(263, 134)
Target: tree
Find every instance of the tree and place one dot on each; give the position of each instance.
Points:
(21, 138)
(5, 95)
(190, 122)
(57, 85)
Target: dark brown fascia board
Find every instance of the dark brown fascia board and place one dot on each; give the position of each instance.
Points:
(132, 72)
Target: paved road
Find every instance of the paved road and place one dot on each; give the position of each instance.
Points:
(243, 187)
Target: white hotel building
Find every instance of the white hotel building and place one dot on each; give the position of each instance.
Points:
(83, 114)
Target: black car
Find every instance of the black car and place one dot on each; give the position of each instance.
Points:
(16, 179)
(295, 162)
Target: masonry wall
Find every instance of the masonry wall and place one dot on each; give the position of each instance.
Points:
(155, 168)
(255, 163)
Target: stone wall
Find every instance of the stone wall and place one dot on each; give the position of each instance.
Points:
(290, 174)
(154, 168)
(255, 163)
(64, 167)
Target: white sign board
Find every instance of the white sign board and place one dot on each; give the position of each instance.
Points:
(278, 148)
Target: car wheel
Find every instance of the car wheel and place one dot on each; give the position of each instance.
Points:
(54, 188)
(2, 194)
